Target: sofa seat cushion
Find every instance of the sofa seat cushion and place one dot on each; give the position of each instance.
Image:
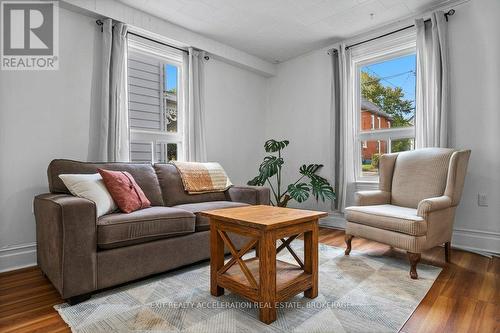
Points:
(202, 222)
(119, 229)
(389, 217)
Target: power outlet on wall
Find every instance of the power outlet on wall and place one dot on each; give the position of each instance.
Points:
(482, 199)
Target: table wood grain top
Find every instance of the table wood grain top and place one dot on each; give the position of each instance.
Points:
(263, 216)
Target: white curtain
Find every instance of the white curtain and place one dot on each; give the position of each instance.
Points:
(343, 131)
(109, 134)
(194, 125)
(433, 96)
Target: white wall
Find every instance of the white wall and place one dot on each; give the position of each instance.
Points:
(235, 108)
(300, 102)
(45, 115)
(475, 88)
(299, 111)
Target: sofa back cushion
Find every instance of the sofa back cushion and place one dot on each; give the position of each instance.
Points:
(419, 174)
(144, 175)
(173, 191)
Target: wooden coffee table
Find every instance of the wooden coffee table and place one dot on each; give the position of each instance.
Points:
(263, 279)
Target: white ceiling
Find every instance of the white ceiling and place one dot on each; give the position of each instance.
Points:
(277, 30)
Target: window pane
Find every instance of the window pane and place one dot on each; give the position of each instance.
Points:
(155, 91)
(165, 152)
(170, 97)
(171, 152)
(370, 152)
(388, 93)
(402, 145)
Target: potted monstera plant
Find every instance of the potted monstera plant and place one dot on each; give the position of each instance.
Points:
(309, 182)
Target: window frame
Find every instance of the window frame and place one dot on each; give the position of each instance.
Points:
(153, 137)
(400, 45)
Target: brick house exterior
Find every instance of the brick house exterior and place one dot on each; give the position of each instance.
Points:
(373, 118)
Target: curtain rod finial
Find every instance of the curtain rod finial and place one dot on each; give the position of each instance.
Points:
(100, 23)
(451, 12)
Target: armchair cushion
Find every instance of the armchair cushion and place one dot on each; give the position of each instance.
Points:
(389, 217)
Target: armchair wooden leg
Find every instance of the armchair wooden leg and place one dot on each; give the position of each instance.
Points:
(414, 259)
(447, 251)
(348, 239)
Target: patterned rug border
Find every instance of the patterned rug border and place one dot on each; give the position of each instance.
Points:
(205, 264)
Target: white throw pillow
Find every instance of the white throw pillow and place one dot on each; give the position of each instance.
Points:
(91, 187)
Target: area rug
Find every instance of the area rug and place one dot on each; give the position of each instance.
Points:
(357, 293)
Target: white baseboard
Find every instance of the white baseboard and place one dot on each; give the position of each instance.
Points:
(17, 256)
(477, 241)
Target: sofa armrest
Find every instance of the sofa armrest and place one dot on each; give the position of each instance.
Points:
(430, 205)
(253, 195)
(375, 197)
(67, 242)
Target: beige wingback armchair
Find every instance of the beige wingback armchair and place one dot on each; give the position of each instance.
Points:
(414, 207)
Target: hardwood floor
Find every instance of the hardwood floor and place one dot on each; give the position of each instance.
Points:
(464, 298)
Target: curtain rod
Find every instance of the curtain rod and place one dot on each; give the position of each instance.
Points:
(446, 15)
(100, 23)
(156, 41)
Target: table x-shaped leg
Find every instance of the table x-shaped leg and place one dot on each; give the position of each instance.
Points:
(286, 244)
(236, 257)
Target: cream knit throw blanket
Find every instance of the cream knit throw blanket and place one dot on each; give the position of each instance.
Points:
(203, 177)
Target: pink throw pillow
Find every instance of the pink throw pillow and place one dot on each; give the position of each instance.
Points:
(127, 195)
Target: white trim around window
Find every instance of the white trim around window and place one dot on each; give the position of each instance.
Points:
(150, 91)
(398, 45)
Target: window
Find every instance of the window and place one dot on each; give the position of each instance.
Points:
(155, 97)
(384, 100)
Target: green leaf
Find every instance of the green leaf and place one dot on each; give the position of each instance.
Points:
(299, 192)
(321, 189)
(310, 170)
(318, 179)
(272, 146)
(269, 167)
(257, 181)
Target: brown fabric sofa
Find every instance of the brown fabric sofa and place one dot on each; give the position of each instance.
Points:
(80, 253)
